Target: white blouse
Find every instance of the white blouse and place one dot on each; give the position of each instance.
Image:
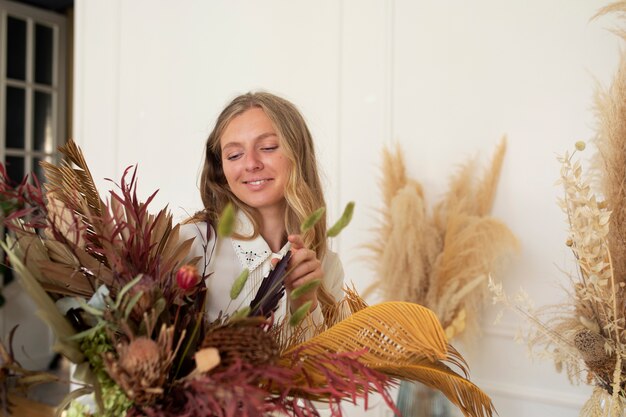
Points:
(222, 260)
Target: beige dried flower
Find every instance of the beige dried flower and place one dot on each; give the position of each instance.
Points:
(140, 366)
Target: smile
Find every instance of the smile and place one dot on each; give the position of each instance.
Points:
(257, 182)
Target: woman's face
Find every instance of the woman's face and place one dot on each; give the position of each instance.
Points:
(254, 162)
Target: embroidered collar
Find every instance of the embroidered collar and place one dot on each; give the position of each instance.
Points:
(254, 252)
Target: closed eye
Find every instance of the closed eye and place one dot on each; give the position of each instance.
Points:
(233, 157)
(269, 148)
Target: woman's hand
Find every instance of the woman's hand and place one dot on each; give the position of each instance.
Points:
(304, 267)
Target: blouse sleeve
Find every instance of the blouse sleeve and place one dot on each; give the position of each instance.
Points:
(333, 282)
(333, 275)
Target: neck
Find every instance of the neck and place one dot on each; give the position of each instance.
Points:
(273, 227)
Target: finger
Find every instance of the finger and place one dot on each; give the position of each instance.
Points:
(273, 263)
(305, 280)
(296, 241)
(298, 259)
(301, 255)
(305, 271)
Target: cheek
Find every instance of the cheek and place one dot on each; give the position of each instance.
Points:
(284, 166)
(230, 172)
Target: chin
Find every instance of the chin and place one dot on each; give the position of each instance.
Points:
(263, 203)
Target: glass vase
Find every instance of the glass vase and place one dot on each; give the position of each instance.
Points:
(418, 400)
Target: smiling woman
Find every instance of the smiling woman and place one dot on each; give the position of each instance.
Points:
(260, 157)
(256, 166)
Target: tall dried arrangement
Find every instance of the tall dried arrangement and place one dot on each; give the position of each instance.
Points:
(440, 258)
(586, 334)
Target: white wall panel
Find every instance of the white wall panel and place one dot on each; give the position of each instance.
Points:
(96, 93)
(364, 123)
(153, 77)
(465, 74)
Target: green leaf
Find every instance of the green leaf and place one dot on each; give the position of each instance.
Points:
(303, 289)
(240, 314)
(343, 221)
(89, 309)
(235, 290)
(131, 304)
(159, 306)
(89, 332)
(300, 313)
(127, 288)
(312, 219)
(226, 222)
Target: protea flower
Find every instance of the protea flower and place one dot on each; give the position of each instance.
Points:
(246, 340)
(140, 366)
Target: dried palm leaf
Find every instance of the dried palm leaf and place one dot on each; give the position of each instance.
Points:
(48, 311)
(470, 399)
(412, 332)
(403, 340)
(350, 304)
(61, 178)
(29, 247)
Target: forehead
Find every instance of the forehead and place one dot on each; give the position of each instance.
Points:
(249, 125)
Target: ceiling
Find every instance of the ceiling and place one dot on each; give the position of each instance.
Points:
(55, 5)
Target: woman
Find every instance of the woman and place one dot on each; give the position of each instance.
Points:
(260, 157)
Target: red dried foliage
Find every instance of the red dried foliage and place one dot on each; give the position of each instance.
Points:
(250, 390)
(124, 237)
(235, 391)
(22, 200)
(345, 379)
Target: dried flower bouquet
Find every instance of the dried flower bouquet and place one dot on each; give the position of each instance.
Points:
(115, 284)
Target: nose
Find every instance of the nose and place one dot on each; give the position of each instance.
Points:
(253, 162)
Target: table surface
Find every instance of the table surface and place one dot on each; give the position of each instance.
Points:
(24, 407)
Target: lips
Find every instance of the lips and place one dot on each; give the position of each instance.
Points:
(259, 181)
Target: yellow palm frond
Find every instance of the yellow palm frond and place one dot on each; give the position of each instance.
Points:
(470, 399)
(402, 340)
(392, 331)
(87, 187)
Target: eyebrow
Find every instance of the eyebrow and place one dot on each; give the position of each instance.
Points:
(260, 137)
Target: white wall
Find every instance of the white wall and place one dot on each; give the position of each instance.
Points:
(445, 79)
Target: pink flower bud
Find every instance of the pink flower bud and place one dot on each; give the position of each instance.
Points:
(187, 277)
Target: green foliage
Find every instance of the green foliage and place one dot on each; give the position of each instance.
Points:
(303, 289)
(310, 221)
(343, 221)
(77, 409)
(235, 290)
(300, 313)
(94, 346)
(226, 222)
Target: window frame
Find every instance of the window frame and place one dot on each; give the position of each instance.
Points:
(58, 23)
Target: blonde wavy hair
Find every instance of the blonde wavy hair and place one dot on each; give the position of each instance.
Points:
(303, 192)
